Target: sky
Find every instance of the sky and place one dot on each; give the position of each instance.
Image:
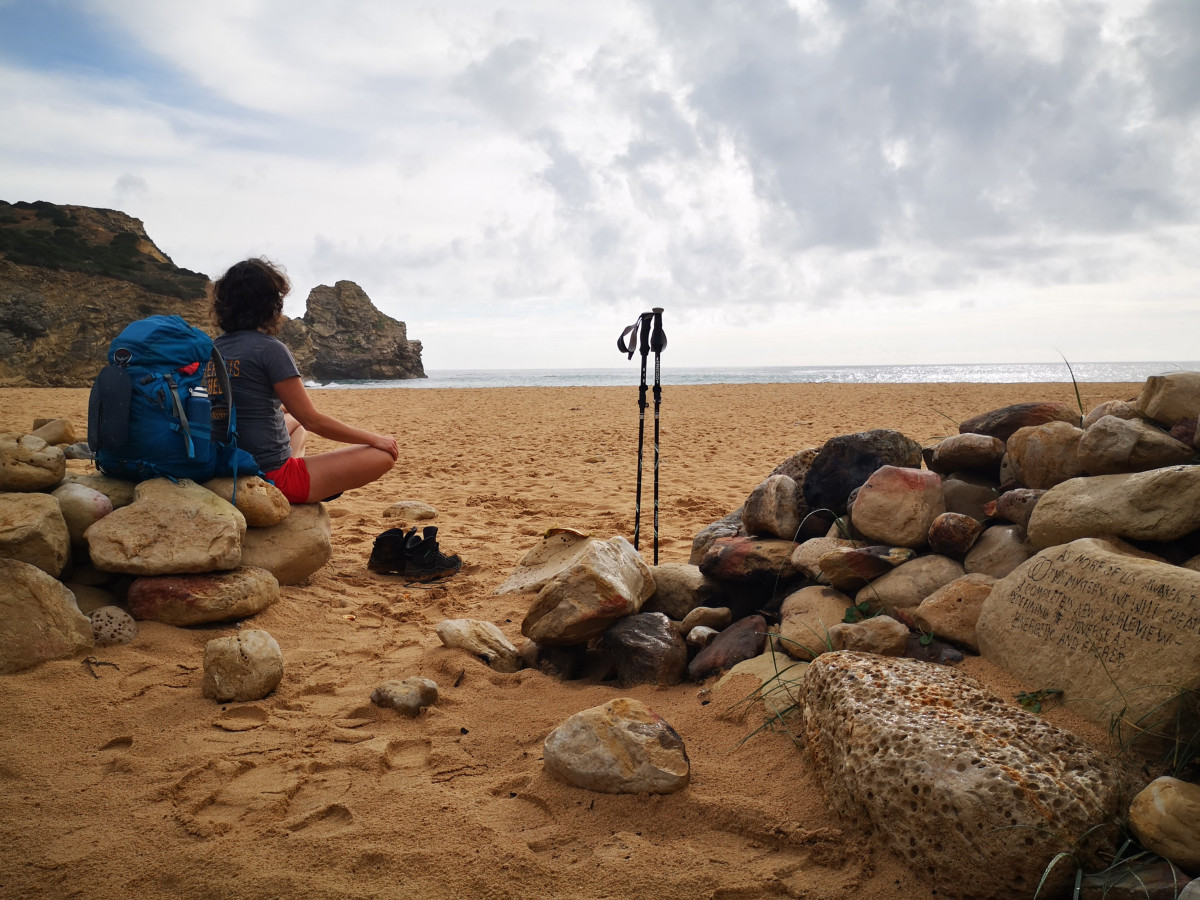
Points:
(795, 182)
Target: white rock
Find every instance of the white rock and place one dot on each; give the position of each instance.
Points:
(1165, 816)
(81, 507)
(408, 696)
(482, 639)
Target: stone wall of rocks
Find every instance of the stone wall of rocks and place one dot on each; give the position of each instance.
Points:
(86, 556)
(1064, 547)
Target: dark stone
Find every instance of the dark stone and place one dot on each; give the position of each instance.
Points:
(845, 462)
(935, 651)
(969, 495)
(852, 568)
(816, 524)
(753, 560)
(744, 639)
(646, 649)
(562, 662)
(1001, 423)
(1184, 430)
(953, 534)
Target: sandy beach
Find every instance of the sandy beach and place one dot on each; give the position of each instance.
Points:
(124, 781)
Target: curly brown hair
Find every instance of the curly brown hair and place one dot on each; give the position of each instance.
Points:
(249, 297)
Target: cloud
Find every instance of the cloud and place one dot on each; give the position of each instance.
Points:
(789, 162)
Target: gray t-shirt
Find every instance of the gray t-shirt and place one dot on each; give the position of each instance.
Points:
(256, 363)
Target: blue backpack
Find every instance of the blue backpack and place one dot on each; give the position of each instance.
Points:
(150, 414)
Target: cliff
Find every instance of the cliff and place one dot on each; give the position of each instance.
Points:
(71, 277)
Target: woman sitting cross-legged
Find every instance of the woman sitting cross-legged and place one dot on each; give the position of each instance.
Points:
(247, 303)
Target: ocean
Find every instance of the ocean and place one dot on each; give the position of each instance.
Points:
(620, 376)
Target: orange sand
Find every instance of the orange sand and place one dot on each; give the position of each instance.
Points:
(129, 783)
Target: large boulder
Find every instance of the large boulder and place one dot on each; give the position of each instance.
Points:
(1118, 634)
(33, 530)
(846, 461)
(773, 508)
(896, 506)
(1001, 423)
(900, 745)
(1159, 505)
(1170, 398)
(580, 584)
(170, 528)
(1113, 446)
(645, 648)
(200, 599)
(295, 548)
(621, 747)
(906, 586)
(967, 453)
(1042, 456)
(28, 463)
(38, 618)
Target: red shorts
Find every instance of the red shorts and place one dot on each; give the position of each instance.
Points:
(292, 479)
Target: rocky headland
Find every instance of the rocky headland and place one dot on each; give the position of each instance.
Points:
(71, 277)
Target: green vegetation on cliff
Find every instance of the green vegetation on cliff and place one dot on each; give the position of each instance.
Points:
(52, 237)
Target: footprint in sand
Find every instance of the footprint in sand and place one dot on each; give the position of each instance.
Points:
(242, 718)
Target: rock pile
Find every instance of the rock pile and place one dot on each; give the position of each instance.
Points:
(1064, 548)
(75, 544)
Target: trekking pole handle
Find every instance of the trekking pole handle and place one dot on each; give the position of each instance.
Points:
(646, 323)
(658, 337)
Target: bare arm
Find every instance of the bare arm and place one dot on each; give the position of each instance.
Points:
(294, 396)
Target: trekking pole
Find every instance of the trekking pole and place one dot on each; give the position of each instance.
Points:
(645, 321)
(658, 343)
(641, 324)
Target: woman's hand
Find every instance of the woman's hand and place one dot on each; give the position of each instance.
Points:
(386, 443)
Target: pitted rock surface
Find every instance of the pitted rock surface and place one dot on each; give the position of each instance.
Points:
(112, 625)
(901, 744)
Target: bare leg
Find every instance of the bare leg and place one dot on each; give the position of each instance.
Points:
(345, 468)
(297, 433)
